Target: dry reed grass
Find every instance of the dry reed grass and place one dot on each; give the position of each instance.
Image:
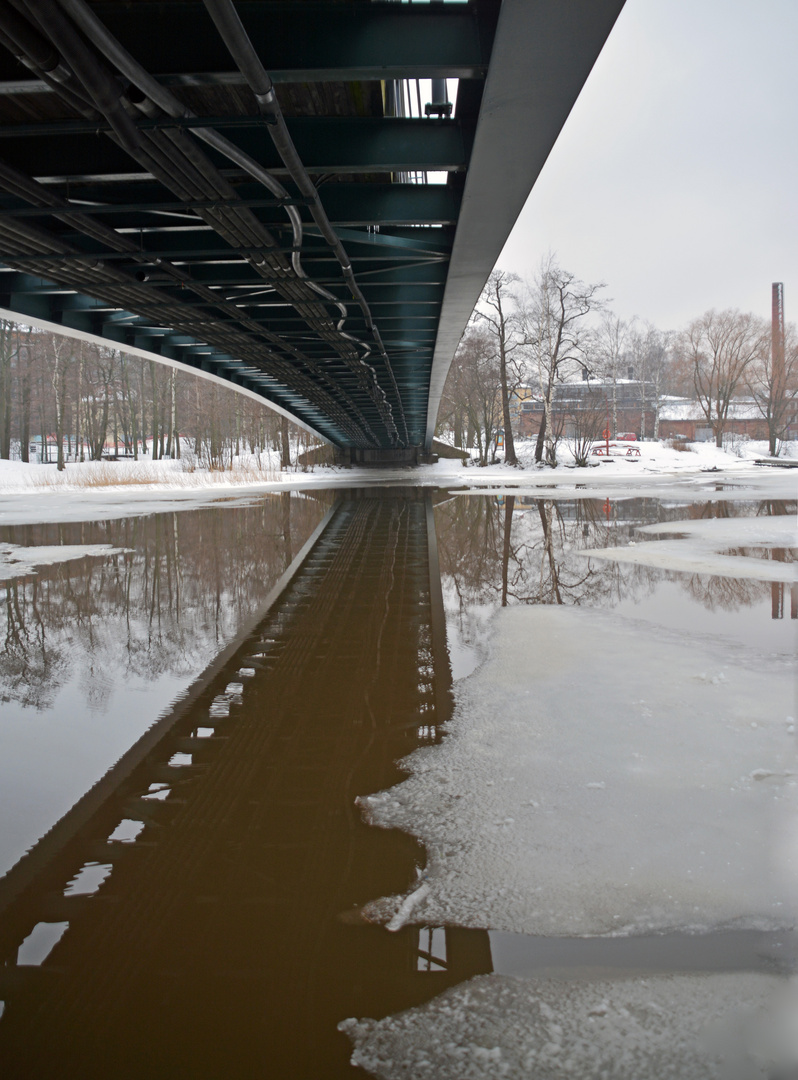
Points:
(108, 475)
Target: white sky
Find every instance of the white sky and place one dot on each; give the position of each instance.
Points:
(675, 178)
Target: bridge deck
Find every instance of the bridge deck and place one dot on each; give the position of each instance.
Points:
(144, 199)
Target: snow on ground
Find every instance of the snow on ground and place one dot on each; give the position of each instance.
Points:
(602, 776)
(103, 490)
(677, 1027)
(701, 546)
(17, 561)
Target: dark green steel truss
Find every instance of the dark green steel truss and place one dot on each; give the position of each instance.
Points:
(174, 287)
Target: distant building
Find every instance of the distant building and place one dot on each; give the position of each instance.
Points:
(634, 406)
(685, 419)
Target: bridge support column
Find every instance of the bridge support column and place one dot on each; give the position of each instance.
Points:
(385, 457)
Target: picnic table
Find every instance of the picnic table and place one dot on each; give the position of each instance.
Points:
(605, 450)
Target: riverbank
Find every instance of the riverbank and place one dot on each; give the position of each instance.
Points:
(98, 491)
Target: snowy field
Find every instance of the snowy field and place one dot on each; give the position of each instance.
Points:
(103, 490)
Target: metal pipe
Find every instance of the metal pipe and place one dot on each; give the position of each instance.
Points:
(37, 54)
(88, 68)
(235, 37)
(140, 77)
(104, 91)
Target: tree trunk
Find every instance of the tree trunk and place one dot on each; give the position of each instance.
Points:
(143, 426)
(154, 412)
(285, 444)
(548, 426)
(614, 431)
(541, 438)
(772, 437)
(78, 411)
(5, 390)
(24, 397)
(175, 432)
(171, 422)
(509, 444)
(59, 407)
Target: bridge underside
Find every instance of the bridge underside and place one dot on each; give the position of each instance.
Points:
(314, 239)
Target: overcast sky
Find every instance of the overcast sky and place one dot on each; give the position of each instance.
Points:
(675, 178)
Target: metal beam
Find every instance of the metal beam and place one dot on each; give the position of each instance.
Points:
(325, 144)
(301, 42)
(399, 238)
(345, 205)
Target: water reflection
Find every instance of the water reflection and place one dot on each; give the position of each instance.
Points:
(197, 912)
(178, 593)
(215, 931)
(94, 650)
(523, 550)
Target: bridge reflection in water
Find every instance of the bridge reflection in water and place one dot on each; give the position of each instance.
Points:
(224, 939)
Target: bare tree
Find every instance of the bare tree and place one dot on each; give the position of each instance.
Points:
(650, 354)
(9, 351)
(475, 381)
(62, 355)
(585, 427)
(453, 411)
(774, 387)
(609, 346)
(554, 316)
(720, 347)
(496, 310)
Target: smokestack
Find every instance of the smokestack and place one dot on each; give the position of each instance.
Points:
(777, 340)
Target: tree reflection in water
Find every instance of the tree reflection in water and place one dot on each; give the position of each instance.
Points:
(522, 550)
(175, 597)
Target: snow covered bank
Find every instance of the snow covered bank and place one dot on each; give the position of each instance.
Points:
(678, 1027)
(105, 490)
(604, 777)
(701, 547)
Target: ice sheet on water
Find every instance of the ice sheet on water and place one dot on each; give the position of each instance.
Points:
(677, 1027)
(18, 561)
(644, 796)
(700, 547)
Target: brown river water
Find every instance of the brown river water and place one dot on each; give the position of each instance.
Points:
(185, 725)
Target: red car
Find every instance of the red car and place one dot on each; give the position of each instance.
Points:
(626, 436)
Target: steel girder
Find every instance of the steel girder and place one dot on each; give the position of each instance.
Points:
(96, 242)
